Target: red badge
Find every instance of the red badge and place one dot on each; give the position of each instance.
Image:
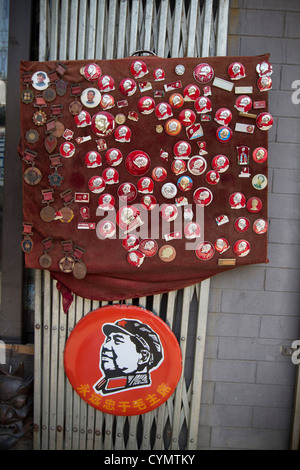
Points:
(191, 93)
(148, 202)
(237, 201)
(205, 251)
(241, 224)
(264, 68)
(243, 103)
(135, 258)
(93, 159)
(169, 212)
(123, 134)
(178, 166)
(185, 183)
(159, 173)
(182, 149)
(203, 105)
(163, 111)
(197, 165)
(145, 185)
(110, 176)
(138, 69)
(148, 247)
(130, 242)
(260, 154)
(67, 149)
(254, 204)
(264, 83)
(236, 71)
(92, 72)
(176, 100)
(103, 124)
(241, 248)
(159, 75)
(83, 119)
(212, 177)
(137, 163)
(223, 116)
(260, 226)
(264, 121)
(127, 87)
(106, 229)
(187, 117)
(192, 230)
(113, 157)
(106, 83)
(203, 73)
(220, 163)
(202, 196)
(106, 202)
(127, 192)
(96, 184)
(146, 105)
(123, 360)
(221, 245)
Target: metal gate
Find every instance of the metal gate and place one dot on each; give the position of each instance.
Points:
(86, 29)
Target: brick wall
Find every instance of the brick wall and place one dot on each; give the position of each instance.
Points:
(248, 385)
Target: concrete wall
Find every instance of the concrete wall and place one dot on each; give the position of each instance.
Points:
(247, 398)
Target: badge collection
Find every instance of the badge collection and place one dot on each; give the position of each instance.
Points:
(86, 125)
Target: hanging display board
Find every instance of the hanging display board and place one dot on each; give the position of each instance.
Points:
(144, 175)
(123, 360)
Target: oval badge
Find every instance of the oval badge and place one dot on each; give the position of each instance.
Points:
(123, 360)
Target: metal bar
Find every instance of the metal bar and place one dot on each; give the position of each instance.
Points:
(162, 29)
(133, 41)
(176, 28)
(53, 30)
(73, 30)
(203, 295)
(46, 325)
(61, 380)
(37, 405)
(63, 32)
(101, 15)
(222, 27)
(43, 31)
(122, 29)
(192, 22)
(91, 36)
(148, 20)
(69, 390)
(111, 29)
(208, 17)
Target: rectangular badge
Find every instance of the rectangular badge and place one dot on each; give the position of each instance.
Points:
(241, 90)
(248, 128)
(224, 84)
(86, 226)
(173, 86)
(259, 104)
(226, 262)
(172, 236)
(82, 197)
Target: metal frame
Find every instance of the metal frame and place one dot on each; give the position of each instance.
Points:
(62, 420)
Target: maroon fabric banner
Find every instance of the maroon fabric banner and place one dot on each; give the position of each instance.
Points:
(190, 134)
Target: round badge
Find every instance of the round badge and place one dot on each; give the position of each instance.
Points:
(187, 117)
(260, 226)
(159, 173)
(118, 356)
(49, 95)
(264, 68)
(79, 270)
(241, 224)
(106, 229)
(185, 183)
(182, 149)
(90, 97)
(40, 80)
(260, 154)
(67, 149)
(205, 251)
(39, 118)
(128, 216)
(169, 212)
(192, 230)
(223, 116)
(92, 72)
(236, 71)
(221, 245)
(130, 242)
(197, 165)
(254, 204)
(220, 163)
(110, 176)
(120, 118)
(169, 190)
(202, 105)
(159, 75)
(172, 127)
(66, 215)
(93, 159)
(83, 119)
(45, 261)
(146, 105)
(237, 200)
(66, 264)
(241, 248)
(137, 163)
(167, 253)
(113, 157)
(47, 213)
(135, 258)
(163, 111)
(123, 134)
(179, 69)
(264, 83)
(212, 177)
(127, 87)
(264, 121)
(224, 134)
(202, 196)
(106, 83)
(203, 73)
(127, 192)
(259, 181)
(148, 202)
(191, 93)
(106, 202)
(176, 100)
(59, 129)
(32, 136)
(138, 69)
(145, 185)
(243, 103)
(178, 166)
(107, 102)
(96, 184)
(75, 107)
(148, 247)
(103, 124)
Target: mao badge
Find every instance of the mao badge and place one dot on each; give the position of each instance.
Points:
(123, 360)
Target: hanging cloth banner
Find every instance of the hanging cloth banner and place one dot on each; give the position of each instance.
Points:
(144, 175)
